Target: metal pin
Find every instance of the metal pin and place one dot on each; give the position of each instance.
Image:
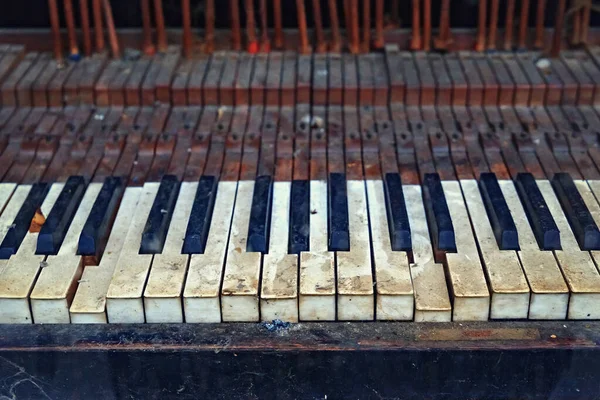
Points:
(491, 45)
(576, 30)
(70, 21)
(236, 35)
(509, 24)
(265, 43)
(98, 25)
(523, 24)
(558, 27)
(304, 46)
(250, 26)
(55, 22)
(416, 26)
(379, 15)
(366, 44)
(278, 24)
(110, 26)
(335, 27)
(443, 40)
(209, 31)
(146, 24)
(187, 28)
(355, 42)
(321, 46)
(348, 20)
(539, 24)
(427, 25)
(85, 26)
(161, 34)
(481, 26)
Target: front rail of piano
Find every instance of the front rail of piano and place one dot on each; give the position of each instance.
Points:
(517, 360)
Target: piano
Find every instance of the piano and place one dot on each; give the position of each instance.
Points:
(304, 200)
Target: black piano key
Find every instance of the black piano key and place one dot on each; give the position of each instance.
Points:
(258, 228)
(19, 228)
(94, 234)
(498, 212)
(200, 217)
(579, 217)
(442, 230)
(157, 225)
(396, 210)
(58, 221)
(339, 234)
(544, 228)
(299, 217)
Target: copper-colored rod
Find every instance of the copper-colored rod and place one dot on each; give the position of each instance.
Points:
(209, 27)
(70, 20)
(110, 27)
(523, 23)
(236, 30)
(98, 25)
(55, 23)
(444, 34)
(304, 47)
(558, 27)
(347, 20)
(250, 26)
(146, 24)
(355, 38)
(585, 22)
(265, 43)
(509, 24)
(278, 24)
(366, 40)
(539, 24)
(426, 25)
(321, 46)
(161, 34)
(481, 26)
(85, 26)
(415, 43)
(335, 27)
(379, 15)
(491, 44)
(186, 38)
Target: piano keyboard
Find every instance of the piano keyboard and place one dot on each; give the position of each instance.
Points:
(320, 250)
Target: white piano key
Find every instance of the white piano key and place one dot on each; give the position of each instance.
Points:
(162, 297)
(279, 287)
(395, 297)
(10, 208)
(432, 302)
(239, 294)
(124, 297)
(317, 268)
(590, 192)
(354, 273)
(57, 282)
(89, 303)
(201, 294)
(577, 266)
(471, 298)
(19, 274)
(6, 193)
(550, 294)
(509, 288)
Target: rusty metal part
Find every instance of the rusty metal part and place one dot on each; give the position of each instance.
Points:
(335, 44)
(187, 28)
(278, 24)
(379, 16)
(161, 33)
(147, 28)
(539, 24)
(481, 26)
(209, 32)
(252, 44)
(558, 28)
(491, 42)
(98, 27)
(236, 30)
(265, 43)
(509, 24)
(321, 45)
(355, 31)
(55, 22)
(443, 40)
(85, 26)
(304, 46)
(112, 33)
(523, 24)
(426, 25)
(70, 21)
(366, 40)
(415, 43)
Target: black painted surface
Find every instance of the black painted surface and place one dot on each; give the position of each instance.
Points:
(582, 223)
(59, 219)
(538, 214)
(440, 222)
(260, 215)
(157, 225)
(200, 217)
(339, 234)
(396, 212)
(20, 226)
(299, 216)
(95, 231)
(498, 212)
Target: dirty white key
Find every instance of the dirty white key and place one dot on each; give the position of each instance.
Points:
(124, 298)
(432, 302)
(19, 274)
(471, 298)
(354, 273)
(239, 295)
(577, 266)
(395, 297)
(590, 192)
(10, 208)
(201, 294)
(89, 303)
(279, 288)
(55, 287)
(162, 297)
(317, 268)
(509, 288)
(6, 192)
(549, 292)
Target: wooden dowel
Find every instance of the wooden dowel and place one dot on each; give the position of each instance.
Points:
(278, 24)
(147, 27)
(416, 26)
(355, 40)
(301, 13)
(558, 27)
(444, 40)
(509, 24)
(186, 39)
(110, 27)
(250, 26)
(523, 24)
(70, 21)
(209, 27)
(426, 25)
(379, 16)
(321, 45)
(55, 23)
(335, 27)
(539, 24)
(236, 30)
(491, 43)
(481, 26)
(265, 42)
(366, 23)
(85, 27)
(98, 25)
(161, 33)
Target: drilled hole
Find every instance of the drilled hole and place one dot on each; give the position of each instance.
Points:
(303, 125)
(557, 136)
(455, 136)
(48, 138)
(187, 126)
(403, 136)
(353, 135)
(251, 136)
(269, 126)
(235, 136)
(136, 127)
(369, 135)
(115, 138)
(319, 136)
(385, 125)
(200, 137)
(220, 127)
(82, 138)
(438, 135)
(285, 137)
(165, 137)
